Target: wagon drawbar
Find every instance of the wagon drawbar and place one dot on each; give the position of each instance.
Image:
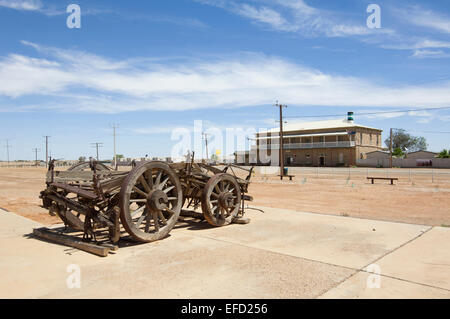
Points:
(144, 203)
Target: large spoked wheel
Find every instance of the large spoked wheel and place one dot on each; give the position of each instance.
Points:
(221, 200)
(150, 201)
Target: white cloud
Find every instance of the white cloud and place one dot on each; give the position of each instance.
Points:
(265, 15)
(27, 5)
(430, 54)
(429, 19)
(296, 16)
(69, 79)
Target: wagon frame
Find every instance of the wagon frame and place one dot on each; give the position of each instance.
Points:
(147, 201)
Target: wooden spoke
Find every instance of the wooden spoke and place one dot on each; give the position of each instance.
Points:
(161, 186)
(140, 220)
(147, 223)
(172, 198)
(137, 190)
(163, 219)
(158, 179)
(137, 211)
(150, 179)
(214, 195)
(168, 189)
(144, 183)
(170, 211)
(138, 201)
(155, 218)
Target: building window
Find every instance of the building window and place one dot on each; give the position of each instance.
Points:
(370, 138)
(360, 138)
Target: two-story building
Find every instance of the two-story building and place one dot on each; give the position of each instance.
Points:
(322, 143)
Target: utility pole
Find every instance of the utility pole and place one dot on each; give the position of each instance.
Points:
(7, 150)
(205, 137)
(114, 126)
(46, 150)
(36, 150)
(97, 145)
(281, 139)
(390, 149)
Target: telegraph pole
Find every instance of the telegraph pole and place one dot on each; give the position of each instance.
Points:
(390, 149)
(46, 150)
(36, 150)
(114, 126)
(281, 139)
(205, 137)
(7, 150)
(97, 145)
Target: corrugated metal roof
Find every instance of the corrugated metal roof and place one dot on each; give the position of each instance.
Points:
(303, 135)
(318, 125)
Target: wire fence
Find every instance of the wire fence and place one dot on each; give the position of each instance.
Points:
(427, 175)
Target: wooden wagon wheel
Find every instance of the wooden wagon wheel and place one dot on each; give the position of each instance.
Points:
(221, 199)
(150, 201)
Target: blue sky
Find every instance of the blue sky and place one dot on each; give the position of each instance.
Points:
(152, 66)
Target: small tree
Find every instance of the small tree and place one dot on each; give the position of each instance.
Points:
(403, 140)
(81, 159)
(398, 152)
(214, 157)
(444, 154)
(119, 156)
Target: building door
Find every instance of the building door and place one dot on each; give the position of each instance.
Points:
(322, 160)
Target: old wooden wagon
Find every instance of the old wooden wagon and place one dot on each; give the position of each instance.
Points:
(145, 202)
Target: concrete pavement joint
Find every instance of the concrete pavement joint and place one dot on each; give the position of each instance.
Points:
(392, 277)
(356, 270)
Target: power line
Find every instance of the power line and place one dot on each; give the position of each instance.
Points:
(374, 113)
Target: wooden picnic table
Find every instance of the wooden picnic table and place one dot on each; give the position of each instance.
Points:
(392, 179)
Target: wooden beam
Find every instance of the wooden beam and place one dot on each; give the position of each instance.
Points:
(71, 241)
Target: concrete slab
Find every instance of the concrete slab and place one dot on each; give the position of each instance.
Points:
(426, 260)
(280, 254)
(14, 225)
(390, 288)
(343, 241)
(180, 266)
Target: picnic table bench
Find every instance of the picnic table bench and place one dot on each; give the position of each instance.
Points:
(290, 177)
(392, 179)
